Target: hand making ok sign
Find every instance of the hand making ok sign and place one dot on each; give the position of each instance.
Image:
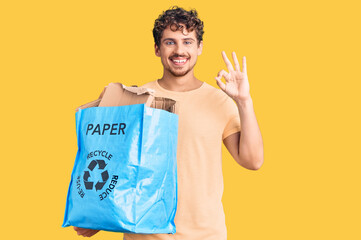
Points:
(237, 85)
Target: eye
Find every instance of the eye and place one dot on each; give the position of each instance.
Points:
(187, 42)
(169, 43)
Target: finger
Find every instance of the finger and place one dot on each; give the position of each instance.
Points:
(88, 232)
(224, 74)
(78, 229)
(228, 63)
(81, 231)
(236, 63)
(244, 65)
(92, 233)
(220, 83)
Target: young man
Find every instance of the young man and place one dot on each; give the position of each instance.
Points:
(207, 116)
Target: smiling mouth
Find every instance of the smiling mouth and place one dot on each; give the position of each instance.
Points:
(179, 61)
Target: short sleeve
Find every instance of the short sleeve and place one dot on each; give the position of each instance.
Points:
(233, 121)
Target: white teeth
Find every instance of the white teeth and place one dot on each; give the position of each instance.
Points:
(180, 61)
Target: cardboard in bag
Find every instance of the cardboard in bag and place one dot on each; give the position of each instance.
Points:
(116, 94)
(165, 104)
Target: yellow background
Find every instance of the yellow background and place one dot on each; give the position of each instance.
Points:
(304, 70)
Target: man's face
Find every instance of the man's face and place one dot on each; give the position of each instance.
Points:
(178, 51)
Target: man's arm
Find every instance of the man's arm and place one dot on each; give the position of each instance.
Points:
(246, 147)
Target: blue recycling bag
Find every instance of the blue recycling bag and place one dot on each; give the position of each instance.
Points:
(125, 172)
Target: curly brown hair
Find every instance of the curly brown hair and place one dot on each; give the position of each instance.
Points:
(175, 16)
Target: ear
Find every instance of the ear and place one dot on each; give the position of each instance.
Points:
(156, 49)
(200, 48)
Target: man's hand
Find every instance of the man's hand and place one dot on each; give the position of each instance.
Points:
(237, 85)
(85, 232)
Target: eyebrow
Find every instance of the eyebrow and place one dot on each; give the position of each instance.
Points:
(174, 39)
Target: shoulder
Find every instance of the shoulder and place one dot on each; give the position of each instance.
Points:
(216, 95)
(220, 101)
(149, 84)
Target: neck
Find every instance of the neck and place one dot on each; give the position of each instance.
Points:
(184, 83)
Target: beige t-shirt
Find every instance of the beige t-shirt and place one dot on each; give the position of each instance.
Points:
(206, 116)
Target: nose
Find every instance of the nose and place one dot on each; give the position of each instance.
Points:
(179, 49)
